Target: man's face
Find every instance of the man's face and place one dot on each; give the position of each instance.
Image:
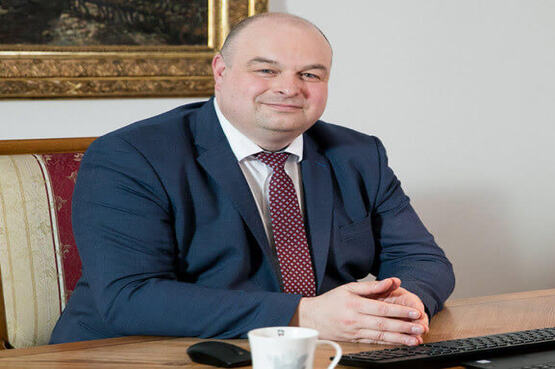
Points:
(275, 86)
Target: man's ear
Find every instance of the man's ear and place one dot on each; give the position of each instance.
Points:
(218, 69)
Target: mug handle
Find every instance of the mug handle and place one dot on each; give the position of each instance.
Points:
(338, 352)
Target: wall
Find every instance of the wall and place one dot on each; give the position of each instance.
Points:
(462, 94)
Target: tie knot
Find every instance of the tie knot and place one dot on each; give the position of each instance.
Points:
(275, 160)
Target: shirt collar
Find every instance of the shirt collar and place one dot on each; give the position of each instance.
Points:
(243, 147)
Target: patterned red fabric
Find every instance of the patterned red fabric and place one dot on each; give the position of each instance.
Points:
(288, 227)
(62, 171)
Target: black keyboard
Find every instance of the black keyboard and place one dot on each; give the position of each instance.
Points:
(534, 360)
(549, 365)
(454, 351)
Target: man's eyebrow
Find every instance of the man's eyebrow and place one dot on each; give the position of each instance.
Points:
(315, 66)
(261, 60)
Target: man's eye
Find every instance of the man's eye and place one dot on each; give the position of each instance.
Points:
(310, 76)
(266, 71)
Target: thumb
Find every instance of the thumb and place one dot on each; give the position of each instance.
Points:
(374, 287)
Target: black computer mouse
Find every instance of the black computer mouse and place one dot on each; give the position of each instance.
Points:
(221, 354)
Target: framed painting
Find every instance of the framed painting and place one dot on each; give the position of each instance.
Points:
(113, 48)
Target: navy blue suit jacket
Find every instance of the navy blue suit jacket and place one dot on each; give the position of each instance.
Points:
(172, 242)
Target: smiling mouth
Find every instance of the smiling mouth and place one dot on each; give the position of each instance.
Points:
(284, 107)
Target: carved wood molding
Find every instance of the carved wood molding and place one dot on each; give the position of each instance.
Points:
(106, 66)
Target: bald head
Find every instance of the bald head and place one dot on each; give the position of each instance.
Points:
(271, 78)
(269, 19)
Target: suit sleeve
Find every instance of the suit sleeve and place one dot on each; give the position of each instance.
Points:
(123, 226)
(408, 251)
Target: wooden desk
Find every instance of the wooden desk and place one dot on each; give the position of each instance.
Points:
(461, 318)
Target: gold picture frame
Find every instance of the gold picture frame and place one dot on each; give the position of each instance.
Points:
(121, 71)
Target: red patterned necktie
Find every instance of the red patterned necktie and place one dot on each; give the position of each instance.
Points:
(290, 239)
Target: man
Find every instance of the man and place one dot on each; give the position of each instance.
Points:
(246, 211)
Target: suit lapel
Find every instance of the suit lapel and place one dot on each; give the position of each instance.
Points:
(217, 158)
(318, 196)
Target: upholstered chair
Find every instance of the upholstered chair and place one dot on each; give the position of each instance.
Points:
(39, 262)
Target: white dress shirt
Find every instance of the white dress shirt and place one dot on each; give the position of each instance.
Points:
(257, 173)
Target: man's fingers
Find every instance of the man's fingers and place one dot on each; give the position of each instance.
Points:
(350, 312)
(393, 282)
(374, 342)
(391, 325)
(391, 338)
(420, 340)
(423, 322)
(385, 288)
(375, 287)
(380, 308)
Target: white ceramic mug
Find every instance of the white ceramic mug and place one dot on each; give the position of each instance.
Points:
(287, 348)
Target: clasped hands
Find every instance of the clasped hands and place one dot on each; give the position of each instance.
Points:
(368, 312)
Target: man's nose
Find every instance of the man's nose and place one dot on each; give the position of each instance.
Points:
(288, 85)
